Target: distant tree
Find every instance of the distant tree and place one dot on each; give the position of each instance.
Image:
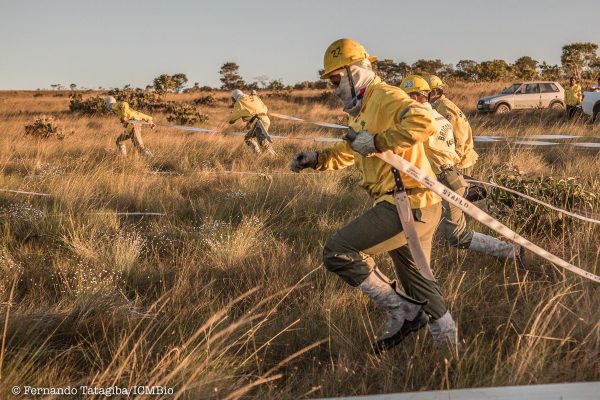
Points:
(195, 88)
(149, 87)
(467, 70)
(403, 68)
(311, 85)
(73, 86)
(252, 86)
(180, 80)
(276, 84)
(55, 86)
(549, 72)
(579, 58)
(262, 80)
(494, 70)
(164, 83)
(230, 77)
(525, 68)
(447, 71)
(427, 66)
(389, 71)
(595, 69)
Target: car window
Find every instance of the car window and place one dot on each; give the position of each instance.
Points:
(548, 88)
(532, 88)
(511, 89)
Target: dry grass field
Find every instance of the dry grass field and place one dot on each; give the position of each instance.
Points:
(225, 296)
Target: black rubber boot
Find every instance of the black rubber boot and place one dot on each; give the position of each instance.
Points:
(407, 328)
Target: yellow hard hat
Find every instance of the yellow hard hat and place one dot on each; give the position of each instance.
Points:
(414, 83)
(341, 53)
(434, 82)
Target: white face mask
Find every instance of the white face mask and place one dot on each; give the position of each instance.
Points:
(362, 76)
(344, 90)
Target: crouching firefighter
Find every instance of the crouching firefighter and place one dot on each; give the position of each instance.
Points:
(251, 109)
(383, 118)
(445, 161)
(132, 131)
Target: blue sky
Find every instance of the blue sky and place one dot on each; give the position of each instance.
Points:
(112, 43)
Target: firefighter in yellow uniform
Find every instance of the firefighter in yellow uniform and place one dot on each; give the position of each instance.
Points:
(573, 97)
(441, 152)
(385, 119)
(132, 131)
(463, 134)
(251, 109)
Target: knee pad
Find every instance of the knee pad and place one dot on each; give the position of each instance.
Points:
(336, 254)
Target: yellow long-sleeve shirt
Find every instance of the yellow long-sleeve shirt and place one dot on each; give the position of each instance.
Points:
(401, 125)
(573, 95)
(125, 113)
(463, 134)
(440, 148)
(247, 107)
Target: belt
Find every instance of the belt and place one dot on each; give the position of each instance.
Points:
(410, 191)
(254, 117)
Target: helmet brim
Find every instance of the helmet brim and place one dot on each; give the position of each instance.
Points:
(328, 73)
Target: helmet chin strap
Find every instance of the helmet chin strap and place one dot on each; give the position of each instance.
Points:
(352, 89)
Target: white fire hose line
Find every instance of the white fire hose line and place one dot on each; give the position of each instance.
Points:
(320, 123)
(466, 206)
(127, 214)
(469, 208)
(529, 139)
(560, 210)
(107, 213)
(472, 210)
(588, 145)
(534, 143)
(179, 127)
(23, 192)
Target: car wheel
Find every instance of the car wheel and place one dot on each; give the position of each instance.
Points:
(502, 108)
(557, 105)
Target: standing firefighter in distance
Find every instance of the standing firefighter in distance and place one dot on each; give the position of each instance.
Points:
(441, 152)
(386, 119)
(251, 109)
(573, 98)
(132, 131)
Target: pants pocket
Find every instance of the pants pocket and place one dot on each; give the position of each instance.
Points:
(419, 215)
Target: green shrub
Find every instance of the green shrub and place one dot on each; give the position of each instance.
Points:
(208, 100)
(529, 216)
(91, 106)
(184, 114)
(45, 127)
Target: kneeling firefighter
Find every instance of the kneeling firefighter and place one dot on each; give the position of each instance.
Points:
(383, 118)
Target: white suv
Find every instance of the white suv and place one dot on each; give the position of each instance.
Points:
(525, 96)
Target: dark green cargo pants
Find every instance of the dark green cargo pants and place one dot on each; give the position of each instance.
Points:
(454, 225)
(349, 251)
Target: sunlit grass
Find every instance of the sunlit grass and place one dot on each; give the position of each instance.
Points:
(225, 296)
